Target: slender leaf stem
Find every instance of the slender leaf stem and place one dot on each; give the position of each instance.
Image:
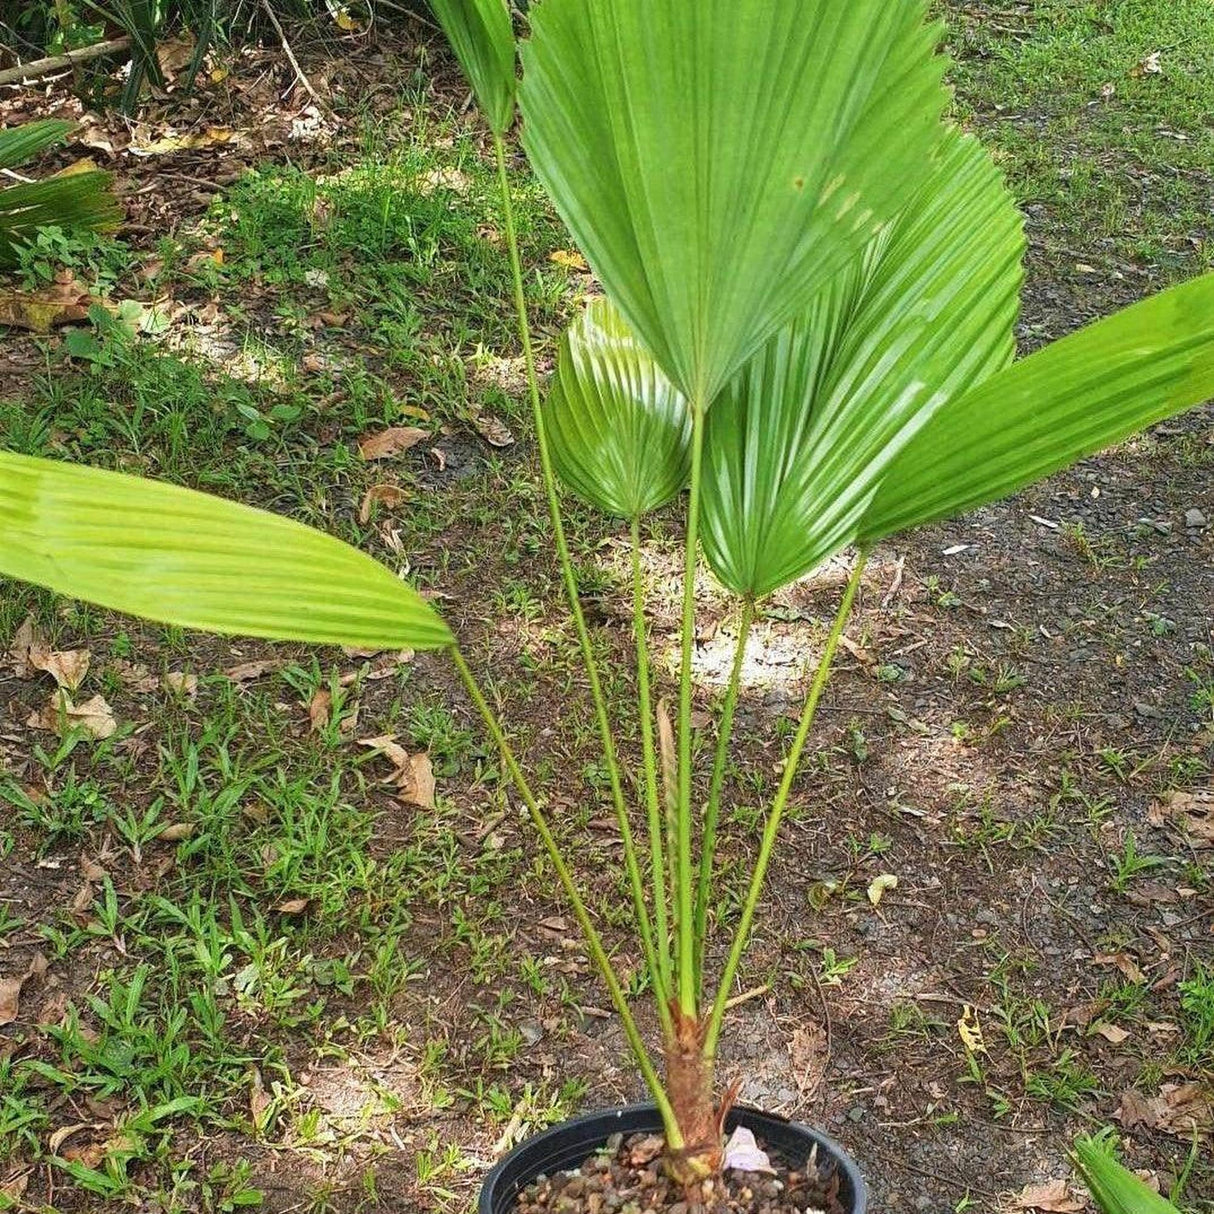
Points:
(708, 842)
(821, 675)
(594, 944)
(685, 915)
(571, 588)
(649, 761)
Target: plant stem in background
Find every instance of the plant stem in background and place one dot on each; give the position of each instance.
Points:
(712, 815)
(685, 917)
(770, 832)
(594, 944)
(649, 761)
(571, 589)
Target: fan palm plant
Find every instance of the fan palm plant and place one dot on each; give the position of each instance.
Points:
(806, 340)
(82, 199)
(1114, 1188)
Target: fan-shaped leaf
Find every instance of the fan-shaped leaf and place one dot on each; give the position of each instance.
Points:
(1114, 1189)
(1071, 399)
(19, 143)
(187, 558)
(75, 200)
(618, 429)
(719, 160)
(480, 33)
(798, 444)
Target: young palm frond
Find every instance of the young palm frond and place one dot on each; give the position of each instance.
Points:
(69, 200)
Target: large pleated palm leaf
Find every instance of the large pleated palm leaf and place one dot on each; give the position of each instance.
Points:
(1114, 1188)
(180, 557)
(68, 200)
(798, 444)
(619, 428)
(719, 161)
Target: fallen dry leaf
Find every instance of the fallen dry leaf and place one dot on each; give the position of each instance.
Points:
(319, 707)
(10, 996)
(174, 54)
(390, 442)
(1124, 962)
(67, 666)
(414, 774)
(878, 886)
(26, 642)
(60, 303)
(245, 672)
(571, 259)
(181, 683)
(90, 870)
(293, 906)
(493, 430)
(387, 496)
(969, 1029)
(1192, 811)
(175, 832)
(1112, 1032)
(211, 136)
(1183, 1110)
(1052, 1197)
(94, 718)
(744, 1154)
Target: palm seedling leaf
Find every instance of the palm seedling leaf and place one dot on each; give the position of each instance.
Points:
(21, 143)
(1114, 1189)
(619, 430)
(800, 441)
(482, 37)
(187, 558)
(718, 161)
(1071, 399)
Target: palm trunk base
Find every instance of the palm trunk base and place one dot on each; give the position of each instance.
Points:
(701, 1121)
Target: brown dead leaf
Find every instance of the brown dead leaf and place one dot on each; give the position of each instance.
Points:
(10, 996)
(245, 672)
(176, 832)
(1052, 1197)
(1192, 811)
(1124, 962)
(211, 136)
(390, 442)
(493, 430)
(181, 683)
(63, 1133)
(293, 906)
(67, 666)
(174, 54)
(1112, 1032)
(14, 1188)
(388, 496)
(27, 642)
(95, 718)
(60, 303)
(319, 708)
(90, 870)
(1183, 1110)
(414, 774)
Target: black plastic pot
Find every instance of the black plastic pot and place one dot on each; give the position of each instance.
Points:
(568, 1145)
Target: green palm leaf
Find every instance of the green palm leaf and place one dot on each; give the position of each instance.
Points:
(187, 558)
(20, 143)
(1071, 399)
(81, 200)
(481, 35)
(619, 430)
(799, 443)
(719, 160)
(1114, 1189)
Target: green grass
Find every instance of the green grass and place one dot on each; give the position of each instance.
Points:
(1118, 177)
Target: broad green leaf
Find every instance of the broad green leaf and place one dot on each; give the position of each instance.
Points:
(718, 161)
(481, 35)
(1114, 1189)
(800, 441)
(618, 429)
(180, 557)
(1071, 399)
